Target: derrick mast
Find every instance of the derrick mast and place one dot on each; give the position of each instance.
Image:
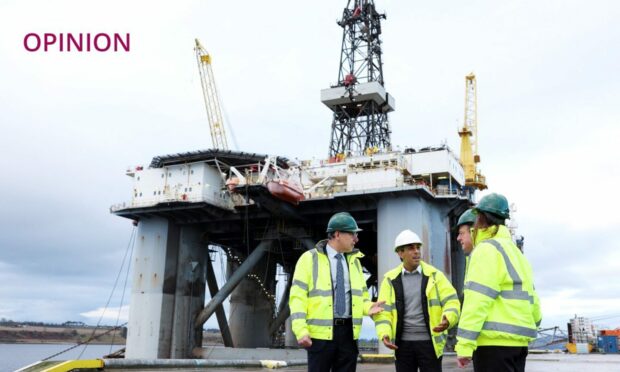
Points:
(359, 101)
(212, 102)
(469, 137)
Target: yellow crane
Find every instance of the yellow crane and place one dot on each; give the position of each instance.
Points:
(212, 102)
(469, 136)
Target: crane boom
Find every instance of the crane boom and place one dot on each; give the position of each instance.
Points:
(469, 136)
(212, 102)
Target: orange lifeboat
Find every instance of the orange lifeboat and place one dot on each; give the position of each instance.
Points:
(286, 190)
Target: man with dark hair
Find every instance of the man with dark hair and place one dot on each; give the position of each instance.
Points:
(501, 310)
(421, 304)
(329, 297)
(464, 225)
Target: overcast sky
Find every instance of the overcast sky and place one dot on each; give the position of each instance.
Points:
(71, 123)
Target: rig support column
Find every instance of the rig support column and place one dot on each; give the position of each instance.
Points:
(149, 332)
(190, 292)
(232, 283)
(251, 311)
(219, 311)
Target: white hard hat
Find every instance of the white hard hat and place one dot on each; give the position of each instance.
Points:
(406, 237)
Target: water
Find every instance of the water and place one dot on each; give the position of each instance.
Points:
(15, 356)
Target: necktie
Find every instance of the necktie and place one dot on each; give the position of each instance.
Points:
(340, 300)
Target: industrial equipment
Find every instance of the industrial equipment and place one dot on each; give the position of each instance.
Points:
(212, 102)
(469, 137)
(359, 100)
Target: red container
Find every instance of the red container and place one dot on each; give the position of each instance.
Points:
(610, 332)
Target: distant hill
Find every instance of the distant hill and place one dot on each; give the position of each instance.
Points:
(54, 333)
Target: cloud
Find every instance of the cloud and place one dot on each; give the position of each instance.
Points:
(107, 316)
(548, 186)
(560, 306)
(71, 124)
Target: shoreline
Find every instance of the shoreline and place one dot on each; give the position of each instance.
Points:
(60, 335)
(55, 342)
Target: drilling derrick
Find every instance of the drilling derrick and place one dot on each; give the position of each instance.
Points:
(469, 137)
(359, 101)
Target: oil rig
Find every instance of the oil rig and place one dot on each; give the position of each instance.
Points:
(264, 210)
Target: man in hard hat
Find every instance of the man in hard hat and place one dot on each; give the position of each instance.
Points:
(464, 225)
(329, 297)
(420, 305)
(501, 310)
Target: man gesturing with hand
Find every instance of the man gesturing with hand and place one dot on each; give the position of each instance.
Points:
(329, 297)
(420, 305)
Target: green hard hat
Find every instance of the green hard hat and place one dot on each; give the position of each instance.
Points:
(342, 221)
(467, 218)
(494, 203)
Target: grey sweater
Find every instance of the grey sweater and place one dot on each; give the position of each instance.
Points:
(414, 328)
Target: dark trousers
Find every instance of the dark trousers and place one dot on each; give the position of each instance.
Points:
(338, 354)
(499, 359)
(412, 355)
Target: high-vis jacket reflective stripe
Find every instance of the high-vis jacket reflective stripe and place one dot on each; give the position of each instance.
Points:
(442, 301)
(311, 295)
(501, 307)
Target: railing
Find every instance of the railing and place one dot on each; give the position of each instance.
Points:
(218, 198)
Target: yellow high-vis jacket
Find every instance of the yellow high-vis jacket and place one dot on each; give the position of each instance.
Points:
(501, 307)
(311, 296)
(441, 300)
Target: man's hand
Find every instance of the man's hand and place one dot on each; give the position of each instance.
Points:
(376, 308)
(442, 326)
(388, 343)
(305, 342)
(462, 362)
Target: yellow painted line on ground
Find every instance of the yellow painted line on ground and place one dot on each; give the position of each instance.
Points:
(70, 365)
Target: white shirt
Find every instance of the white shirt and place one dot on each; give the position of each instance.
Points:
(419, 270)
(333, 261)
